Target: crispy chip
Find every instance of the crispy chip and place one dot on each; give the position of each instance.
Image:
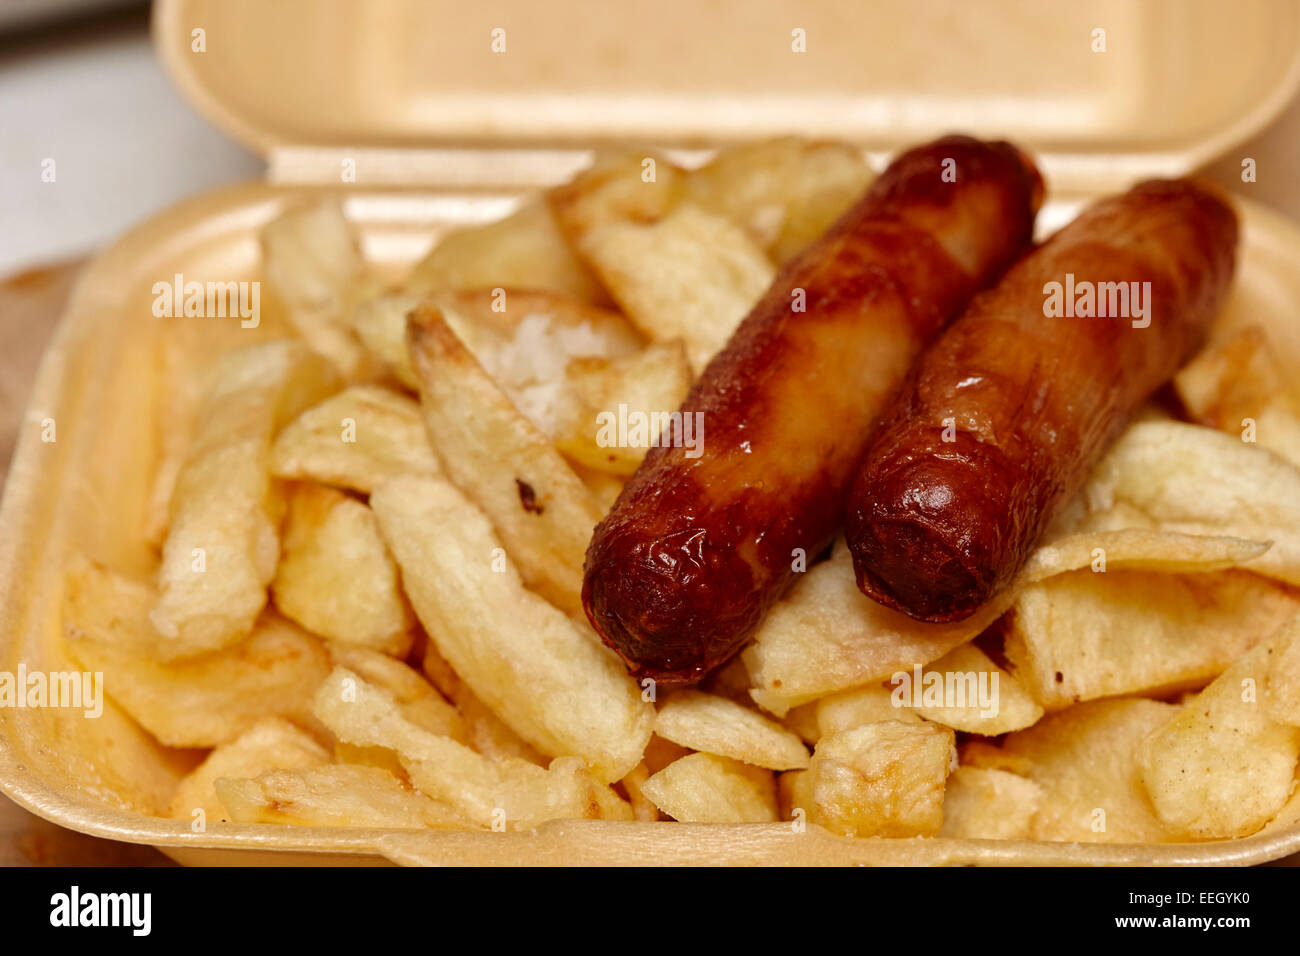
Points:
(335, 796)
(881, 779)
(1283, 689)
(716, 725)
(508, 792)
(1222, 766)
(823, 637)
(973, 694)
(985, 804)
(539, 507)
(201, 701)
(1086, 759)
(1194, 480)
(271, 744)
(1080, 636)
(619, 187)
(691, 276)
(356, 439)
(526, 250)
(336, 577)
(783, 192)
(314, 266)
(610, 412)
(705, 788)
(222, 548)
(1237, 385)
(545, 675)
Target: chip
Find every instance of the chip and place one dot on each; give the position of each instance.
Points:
(222, 547)
(985, 804)
(705, 788)
(271, 744)
(716, 725)
(1080, 636)
(201, 701)
(526, 250)
(336, 577)
(783, 192)
(881, 779)
(1222, 766)
(343, 795)
(356, 439)
(691, 276)
(1087, 761)
(610, 412)
(545, 675)
(538, 505)
(313, 265)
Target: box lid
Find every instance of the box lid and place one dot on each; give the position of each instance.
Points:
(1103, 91)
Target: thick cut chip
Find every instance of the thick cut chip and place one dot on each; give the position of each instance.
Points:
(1238, 386)
(692, 276)
(1223, 767)
(271, 744)
(484, 730)
(221, 549)
(985, 804)
(417, 699)
(783, 192)
(965, 690)
(881, 779)
(380, 324)
(823, 638)
(643, 810)
(344, 795)
(1087, 760)
(523, 337)
(336, 577)
(314, 266)
(1176, 477)
(526, 250)
(610, 412)
(201, 701)
(356, 439)
(544, 675)
(619, 187)
(1283, 691)
(716, 725)
(1080, 636)
(538, 505)
(526, 340)
(705, 788)
(486, 792)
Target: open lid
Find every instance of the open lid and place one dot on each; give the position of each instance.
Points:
(1103, 91)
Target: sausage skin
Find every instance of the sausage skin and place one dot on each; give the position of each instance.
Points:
(1006, 413)
(697, 548)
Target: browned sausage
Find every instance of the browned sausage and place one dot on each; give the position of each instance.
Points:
(696, 549)
(1005, 414)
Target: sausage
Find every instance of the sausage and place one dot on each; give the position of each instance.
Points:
(1005, 414)
(699, 545)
